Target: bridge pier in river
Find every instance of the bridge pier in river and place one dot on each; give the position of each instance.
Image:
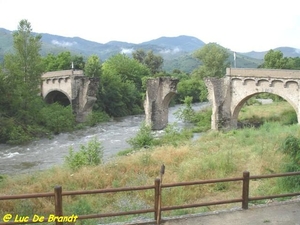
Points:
(158, 96)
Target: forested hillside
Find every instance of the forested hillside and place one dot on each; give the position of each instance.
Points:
(177, 52)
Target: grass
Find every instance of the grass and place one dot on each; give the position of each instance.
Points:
(214, 155)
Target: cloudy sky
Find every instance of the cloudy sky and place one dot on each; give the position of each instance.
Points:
(240, 25)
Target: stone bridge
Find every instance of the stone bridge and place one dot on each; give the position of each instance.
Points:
(229, 94)
(70, 87)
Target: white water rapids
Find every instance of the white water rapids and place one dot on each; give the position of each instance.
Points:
(44, 153)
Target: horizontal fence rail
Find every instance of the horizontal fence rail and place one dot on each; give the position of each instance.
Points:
(158, 187)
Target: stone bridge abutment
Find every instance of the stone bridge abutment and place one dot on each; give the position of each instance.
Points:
(229, 94)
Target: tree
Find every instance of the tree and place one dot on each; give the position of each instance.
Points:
(139, 55)
(120, 91)
(22, 71)
(275, 60)
(127, 68)
(93, 66)
(153, 62)
(78, 62)
(214, 60)
(20, 87)
(63, 61)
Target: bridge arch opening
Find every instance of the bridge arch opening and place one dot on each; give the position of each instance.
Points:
(59, 97)
(258, 98)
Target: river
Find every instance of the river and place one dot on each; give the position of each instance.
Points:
(45, 153)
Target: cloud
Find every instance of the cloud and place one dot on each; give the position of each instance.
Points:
(127, 50)
(63, 43)
(170, 51)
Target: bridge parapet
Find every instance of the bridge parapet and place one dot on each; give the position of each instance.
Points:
(265, 73)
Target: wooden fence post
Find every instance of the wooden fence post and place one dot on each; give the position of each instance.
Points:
(156, 197)
(245, 194)
(58, 203)
(158, 214)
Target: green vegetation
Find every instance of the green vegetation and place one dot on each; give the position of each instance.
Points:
(90, 155)
(201, 119)
(143, 139)
(275, 60)
(214, 60)
(264, 150)
(23, 114)
(146, 138)
(272, 147)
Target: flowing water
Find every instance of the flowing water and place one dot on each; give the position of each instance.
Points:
(45, 153)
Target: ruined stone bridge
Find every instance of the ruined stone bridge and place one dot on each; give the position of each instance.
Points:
(70, 87)
(229, 94)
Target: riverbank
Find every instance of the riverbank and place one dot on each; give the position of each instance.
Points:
(214, 155)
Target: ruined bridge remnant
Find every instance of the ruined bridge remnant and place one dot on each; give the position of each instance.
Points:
(158, 96)
(229, 94)
(71, 87)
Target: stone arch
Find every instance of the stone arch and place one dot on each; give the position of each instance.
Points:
(237, 108)
(58, 96)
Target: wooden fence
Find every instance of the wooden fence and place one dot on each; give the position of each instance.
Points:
(157, 187)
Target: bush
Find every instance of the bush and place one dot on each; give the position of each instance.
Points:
(202, 120)
(58, 118)
(174, 136)
(291, 147)
(144, 138)
(90, 155)
(186, 114)
(96, 117)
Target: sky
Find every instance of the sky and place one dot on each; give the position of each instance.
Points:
(239, 25)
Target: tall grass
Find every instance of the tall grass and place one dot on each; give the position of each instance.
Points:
(214, 155)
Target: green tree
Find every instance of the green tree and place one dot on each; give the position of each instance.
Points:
(139, 55)
(153, 62)
(126, 68)
(78, 62)
(120, 91)
(93, 67)
(194, 88)
(63, 61)
(214, 60)
(22, 71)
(275, 60)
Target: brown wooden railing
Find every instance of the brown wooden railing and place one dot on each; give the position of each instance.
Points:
(158, 187)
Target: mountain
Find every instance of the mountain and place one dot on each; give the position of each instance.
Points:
(176, 51)
(287, 52)
(180, 43)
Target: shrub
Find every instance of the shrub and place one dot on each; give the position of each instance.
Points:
(96, 117)
(90, 155)
(174, 136)
(291, 147)
(144, 137)
(58, 118)
(187, 113)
